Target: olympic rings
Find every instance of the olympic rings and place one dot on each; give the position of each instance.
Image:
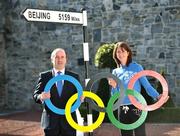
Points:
(121, 125)
(161, 100)
(98, 77)
(70, 79)
(110, 107)
(73, 123)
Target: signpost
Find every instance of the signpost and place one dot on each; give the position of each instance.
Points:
(38, 15)
(54, 16)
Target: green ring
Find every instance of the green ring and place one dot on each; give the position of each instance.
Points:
(122, 125)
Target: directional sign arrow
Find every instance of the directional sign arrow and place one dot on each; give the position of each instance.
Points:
(54, 16)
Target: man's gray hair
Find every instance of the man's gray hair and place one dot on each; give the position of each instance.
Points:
(55, 51)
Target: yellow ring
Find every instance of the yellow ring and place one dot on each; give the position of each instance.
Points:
(70, 120)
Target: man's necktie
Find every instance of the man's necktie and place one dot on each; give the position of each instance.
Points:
(59, 85)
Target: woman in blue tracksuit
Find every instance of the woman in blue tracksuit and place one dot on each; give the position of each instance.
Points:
(125, 70)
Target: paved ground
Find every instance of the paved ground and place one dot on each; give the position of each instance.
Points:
(27, 124)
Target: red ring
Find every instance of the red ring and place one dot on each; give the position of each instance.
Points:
(160, 102)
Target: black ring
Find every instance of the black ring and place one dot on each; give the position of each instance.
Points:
(98, 77)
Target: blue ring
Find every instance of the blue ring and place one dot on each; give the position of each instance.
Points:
(70, 79)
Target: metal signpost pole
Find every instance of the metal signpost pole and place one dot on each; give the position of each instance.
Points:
(86, 63)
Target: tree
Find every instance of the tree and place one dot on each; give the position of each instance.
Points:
(104, 56)
(104, 59)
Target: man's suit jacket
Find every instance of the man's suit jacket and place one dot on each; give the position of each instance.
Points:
(48, 117)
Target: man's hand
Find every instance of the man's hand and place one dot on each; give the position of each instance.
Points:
(44, 96)
(82, 99)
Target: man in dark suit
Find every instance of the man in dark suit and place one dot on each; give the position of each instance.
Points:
(52, 123)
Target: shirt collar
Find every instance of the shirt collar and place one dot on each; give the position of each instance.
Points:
(62, 71)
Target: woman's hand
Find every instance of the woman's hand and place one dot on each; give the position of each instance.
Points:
(112, 82)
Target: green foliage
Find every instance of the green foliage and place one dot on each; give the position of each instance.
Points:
(104, 56)
(164, 115)
(104, 59)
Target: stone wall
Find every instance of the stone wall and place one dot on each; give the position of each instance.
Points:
(3, 91)
(152, 27)
(3, 94)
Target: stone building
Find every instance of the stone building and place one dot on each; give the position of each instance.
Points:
(152, 27)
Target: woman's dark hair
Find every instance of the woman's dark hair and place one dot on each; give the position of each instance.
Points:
(123, 46)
